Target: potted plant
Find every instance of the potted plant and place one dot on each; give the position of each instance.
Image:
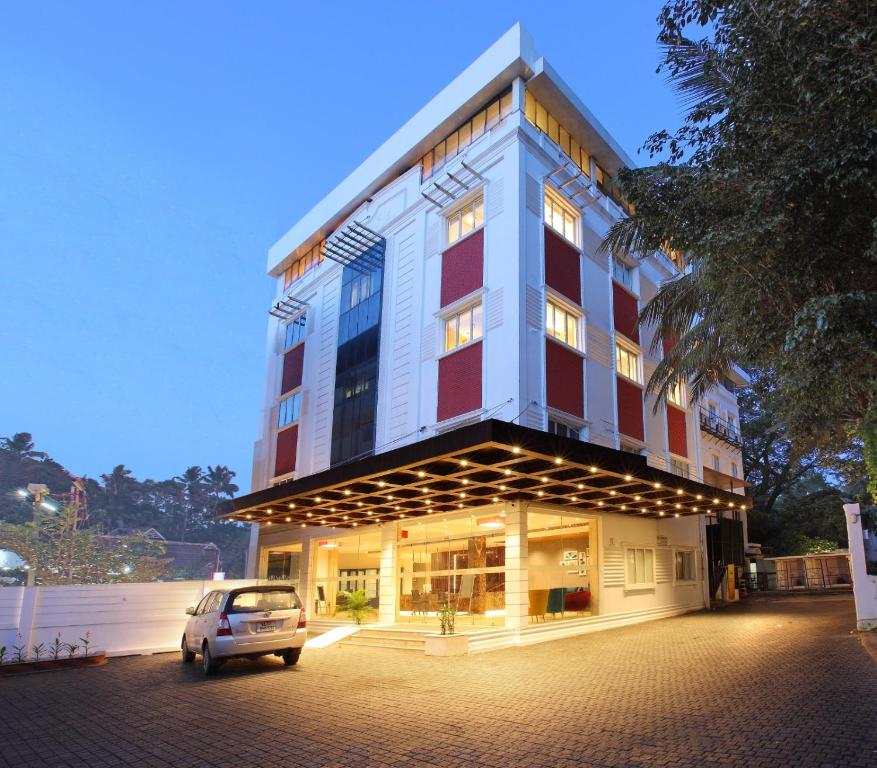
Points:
(355, 603)
(447, 642)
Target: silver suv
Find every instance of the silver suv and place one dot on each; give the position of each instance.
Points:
(249, 622)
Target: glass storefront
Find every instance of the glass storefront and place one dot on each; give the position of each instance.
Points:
(284, 564)
(457, 561)
(343, 566)
(561, 554)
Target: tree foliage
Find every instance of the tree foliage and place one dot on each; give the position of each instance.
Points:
(181, 508)
(769, 190)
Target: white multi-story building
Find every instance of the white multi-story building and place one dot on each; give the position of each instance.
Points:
(455, 408)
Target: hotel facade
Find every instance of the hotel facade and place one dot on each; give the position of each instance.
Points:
(455, 410)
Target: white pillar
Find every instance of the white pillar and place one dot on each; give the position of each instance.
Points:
(388, 586)
(516, 565)
(518, 94)
(864, 586)
(303, 585)
(252, 569)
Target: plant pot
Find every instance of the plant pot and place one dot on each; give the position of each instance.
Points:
(94, 659)
(447, 645)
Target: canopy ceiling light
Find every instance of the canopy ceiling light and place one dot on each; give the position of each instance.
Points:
(500, 462)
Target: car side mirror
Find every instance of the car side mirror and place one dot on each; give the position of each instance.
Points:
(190, 610)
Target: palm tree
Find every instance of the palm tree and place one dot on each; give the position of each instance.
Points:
(218, 481)
(192, 481)
(21, 446)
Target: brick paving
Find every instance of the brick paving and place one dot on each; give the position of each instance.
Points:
(777, 682)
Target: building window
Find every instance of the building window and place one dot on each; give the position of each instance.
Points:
(683, 561)
(289, 410)
(640, 567)
(637, 450)
(304, 264)
(717, 462)
(538, 116)
(561, 324)
(465, 220)
(734, 469)
(473, 129)
(628, 363)
(623, 274)
(676, 395)
(463, 327)
(562, 218)
(732, 425)
(679, 467)
(564, 430)
(605, 185)
(295, 331)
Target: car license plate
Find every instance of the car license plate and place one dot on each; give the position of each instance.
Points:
(266, 626)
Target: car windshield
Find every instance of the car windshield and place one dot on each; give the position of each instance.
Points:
(258, 600)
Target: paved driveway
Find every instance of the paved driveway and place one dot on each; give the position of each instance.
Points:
(779, 682)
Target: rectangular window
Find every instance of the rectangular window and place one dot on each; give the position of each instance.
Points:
(734, 469)
(564, 430)
(288, 411)
(623, 274)
(627, 363)
(304, 264)
(640, 567)
(466, 220)
(684, 565)
(463, 327)
(295, 331)
(636, 450)
(539, 117)
(679, 467)
(676, 395)
(561, 216)
(561, 324)
(732, 425)
(472, 129)
(717, 462)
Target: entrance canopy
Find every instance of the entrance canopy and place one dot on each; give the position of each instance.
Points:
(475, 466)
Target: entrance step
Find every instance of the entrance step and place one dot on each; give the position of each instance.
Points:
(409, 640)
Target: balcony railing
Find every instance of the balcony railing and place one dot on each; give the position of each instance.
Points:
(712, 424)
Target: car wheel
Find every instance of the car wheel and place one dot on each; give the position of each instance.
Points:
(291, 656)
(187, 655)
(208, 663)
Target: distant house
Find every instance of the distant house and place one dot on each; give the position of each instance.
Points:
(185, 558)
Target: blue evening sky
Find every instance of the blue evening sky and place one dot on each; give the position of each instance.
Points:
(150, 153)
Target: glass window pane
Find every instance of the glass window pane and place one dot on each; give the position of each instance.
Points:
(476, 322)
(465, 326)
(648, 567)
(505, 105)
(478, 125)
(553, 128)
(439, 154)
(451, 146)
(541, 118)
(564, 140)
(451, 333)
(479, 213)
(453, 228)
(530, 107)
(492, 114)
(427, 165)
(548, 211)
(571, 330)
(468, 221)
(465, 134)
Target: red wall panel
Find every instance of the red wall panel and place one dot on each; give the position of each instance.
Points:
(459, 382)
(669, 342)
(625, 309)
(463, 268)
(564, 379)
(287, 443)
(677, 438)
(630, 409)
(292, 368)
(562, 267)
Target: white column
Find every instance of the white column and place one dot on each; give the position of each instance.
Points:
(252, 569)
(864, 586)
(388, 585)
(518, 94)
(516, 564)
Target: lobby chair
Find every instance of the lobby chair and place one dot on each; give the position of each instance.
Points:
(538, 603)
(555, 600)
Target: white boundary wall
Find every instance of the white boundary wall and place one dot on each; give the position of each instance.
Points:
(123, 618)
